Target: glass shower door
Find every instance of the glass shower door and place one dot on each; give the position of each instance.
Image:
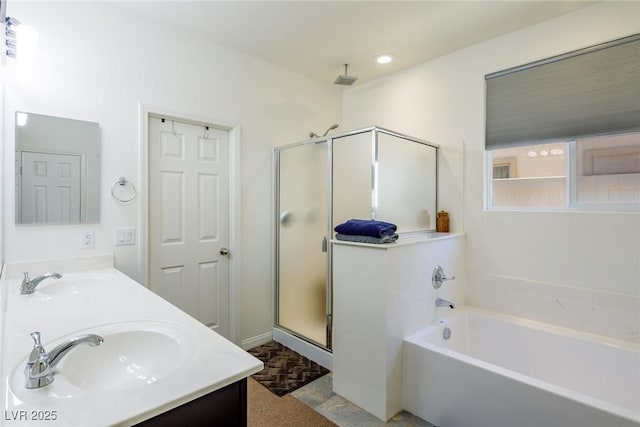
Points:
(302, 206)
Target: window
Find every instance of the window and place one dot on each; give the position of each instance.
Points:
(600, 173)
(564, 132)
(608, 172)
(540, 181)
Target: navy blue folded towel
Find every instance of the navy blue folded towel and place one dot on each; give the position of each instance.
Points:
(366, 227)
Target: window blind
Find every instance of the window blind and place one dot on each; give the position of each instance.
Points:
(588, 92)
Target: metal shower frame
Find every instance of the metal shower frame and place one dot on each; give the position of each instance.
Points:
(375, 131)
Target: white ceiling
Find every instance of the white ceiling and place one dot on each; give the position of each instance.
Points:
(315, 38)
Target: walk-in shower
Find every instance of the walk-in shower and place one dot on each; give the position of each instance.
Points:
(319, 183)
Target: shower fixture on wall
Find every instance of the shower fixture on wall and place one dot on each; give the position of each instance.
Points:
(315, 135)
(345, 79)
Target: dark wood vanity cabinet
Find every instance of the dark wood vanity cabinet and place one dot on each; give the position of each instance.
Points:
(225, 407)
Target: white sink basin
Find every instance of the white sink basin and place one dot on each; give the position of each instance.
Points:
(133, 355)
(124, 360)
(71, 285)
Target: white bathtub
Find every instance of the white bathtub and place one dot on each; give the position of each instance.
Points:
(502, 371)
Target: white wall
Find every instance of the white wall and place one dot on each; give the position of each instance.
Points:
(3, 85)
(587, 256)
(97, 62)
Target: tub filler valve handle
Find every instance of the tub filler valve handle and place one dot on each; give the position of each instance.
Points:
(438, 277)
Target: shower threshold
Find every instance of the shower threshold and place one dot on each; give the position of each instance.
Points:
(299, 345)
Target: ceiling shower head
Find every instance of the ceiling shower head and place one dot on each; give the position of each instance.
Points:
(345, 79)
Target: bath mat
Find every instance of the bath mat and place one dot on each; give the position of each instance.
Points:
(284, 369)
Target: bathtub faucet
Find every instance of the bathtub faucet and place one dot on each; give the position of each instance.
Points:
(438, 277)
(440, 302)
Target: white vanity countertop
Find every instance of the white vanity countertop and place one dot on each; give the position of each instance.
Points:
(212, 362)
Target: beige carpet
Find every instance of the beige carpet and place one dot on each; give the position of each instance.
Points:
(265, 409)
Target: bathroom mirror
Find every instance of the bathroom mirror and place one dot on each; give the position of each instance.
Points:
(57, 178)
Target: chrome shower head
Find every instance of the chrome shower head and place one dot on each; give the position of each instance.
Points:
(315, 135)
(345, 79)
(331, 128)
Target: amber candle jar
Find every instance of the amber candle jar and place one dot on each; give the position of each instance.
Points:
(442, 222)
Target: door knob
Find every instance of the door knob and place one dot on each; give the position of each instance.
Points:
(224, 251)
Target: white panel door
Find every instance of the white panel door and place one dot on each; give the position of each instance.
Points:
(50, 190)
(189, 219)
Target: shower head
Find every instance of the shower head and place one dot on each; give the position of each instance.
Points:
(345, 79)
(331, 128)
(315, 135)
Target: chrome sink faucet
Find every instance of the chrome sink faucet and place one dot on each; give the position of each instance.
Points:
(40, 367)
(29, 285)
(440, 302)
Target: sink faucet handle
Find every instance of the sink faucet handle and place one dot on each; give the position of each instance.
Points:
(38, 372)
(35, 335)
(38, 350)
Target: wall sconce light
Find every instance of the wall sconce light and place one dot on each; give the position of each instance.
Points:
(20, 41)
(11, 36)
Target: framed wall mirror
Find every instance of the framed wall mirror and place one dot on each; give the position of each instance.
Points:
(57, 179)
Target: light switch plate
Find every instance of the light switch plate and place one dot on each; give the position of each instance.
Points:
(124, 236)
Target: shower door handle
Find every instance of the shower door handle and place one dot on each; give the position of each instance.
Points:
(324, 244)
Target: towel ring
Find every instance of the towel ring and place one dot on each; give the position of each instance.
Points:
(122, 181)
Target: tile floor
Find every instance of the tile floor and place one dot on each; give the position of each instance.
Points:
(319, 395)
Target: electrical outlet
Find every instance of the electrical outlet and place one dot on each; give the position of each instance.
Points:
(87, 239)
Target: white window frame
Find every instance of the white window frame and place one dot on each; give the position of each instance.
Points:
(571, 190)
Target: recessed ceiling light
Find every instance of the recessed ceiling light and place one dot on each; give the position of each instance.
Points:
(384, 59)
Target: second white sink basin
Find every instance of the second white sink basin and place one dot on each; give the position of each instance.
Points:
(71, 285)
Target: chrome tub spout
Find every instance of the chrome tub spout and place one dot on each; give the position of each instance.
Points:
(440, 302)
